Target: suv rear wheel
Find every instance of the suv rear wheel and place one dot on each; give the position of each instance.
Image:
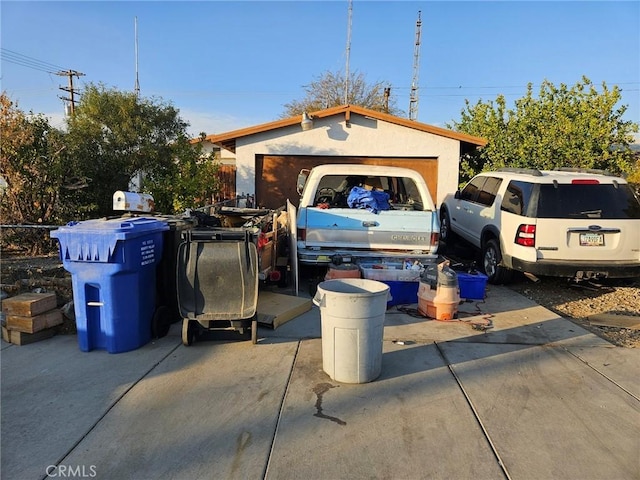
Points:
(446, 234)
(491, 259)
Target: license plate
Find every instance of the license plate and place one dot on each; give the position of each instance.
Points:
(591, 239)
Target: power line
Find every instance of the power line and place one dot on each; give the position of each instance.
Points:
(493, 87)
(30, 62)
(25, 61)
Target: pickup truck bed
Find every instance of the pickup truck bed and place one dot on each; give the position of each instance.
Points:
(405, 226)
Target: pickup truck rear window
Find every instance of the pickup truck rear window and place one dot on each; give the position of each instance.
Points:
(334, 190)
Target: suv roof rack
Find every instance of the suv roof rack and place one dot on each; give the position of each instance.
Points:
(583, 170)
(527, 171)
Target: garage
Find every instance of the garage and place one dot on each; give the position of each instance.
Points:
(268, 157)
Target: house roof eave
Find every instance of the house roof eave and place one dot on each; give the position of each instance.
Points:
(227, 140)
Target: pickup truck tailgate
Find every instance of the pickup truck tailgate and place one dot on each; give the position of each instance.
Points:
(359, 228)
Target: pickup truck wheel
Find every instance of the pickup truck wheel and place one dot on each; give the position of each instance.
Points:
(491, 259)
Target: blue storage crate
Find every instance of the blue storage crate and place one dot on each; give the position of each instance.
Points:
(113, 274)
(402, 293)
(472, 285)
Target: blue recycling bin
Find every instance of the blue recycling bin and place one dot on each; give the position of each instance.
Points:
(113, 272)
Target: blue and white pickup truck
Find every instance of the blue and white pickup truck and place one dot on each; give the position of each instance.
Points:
(357, 213)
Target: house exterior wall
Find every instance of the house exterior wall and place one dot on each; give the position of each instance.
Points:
(363, 136)
(225, 157)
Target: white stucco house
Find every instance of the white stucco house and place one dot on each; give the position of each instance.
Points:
(269, 156)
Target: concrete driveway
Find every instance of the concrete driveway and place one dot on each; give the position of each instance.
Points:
(535, 397)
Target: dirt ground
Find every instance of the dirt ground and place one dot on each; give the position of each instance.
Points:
(580, 301)
(577, 302)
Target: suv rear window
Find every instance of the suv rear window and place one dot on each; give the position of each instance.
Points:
(606, 201)
(570, 200)
(517, 197)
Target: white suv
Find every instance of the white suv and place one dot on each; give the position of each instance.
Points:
(573, 223)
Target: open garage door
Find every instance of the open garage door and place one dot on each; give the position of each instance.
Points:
(276, 175)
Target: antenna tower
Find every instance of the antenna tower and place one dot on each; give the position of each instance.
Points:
(413, 96)
(346, 75)
(137, 85)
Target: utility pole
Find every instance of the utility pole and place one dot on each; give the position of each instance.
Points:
(413, 96)
(71, 98)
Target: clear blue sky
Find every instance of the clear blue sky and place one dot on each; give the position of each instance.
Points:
(228, 65)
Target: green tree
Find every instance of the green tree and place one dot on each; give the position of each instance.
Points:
(561, 127)
(34, 165)
(328, 90)
(113, 135)
(190, 182)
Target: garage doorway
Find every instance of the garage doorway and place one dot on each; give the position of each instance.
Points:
(276, 175)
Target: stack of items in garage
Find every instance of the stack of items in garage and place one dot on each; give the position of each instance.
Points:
(30, 317)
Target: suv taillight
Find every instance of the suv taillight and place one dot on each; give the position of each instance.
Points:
(526, 235)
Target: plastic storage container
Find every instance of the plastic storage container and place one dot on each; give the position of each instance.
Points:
(113, 273)
(391, 275)
(472, 285)
(402, 282)
(352, 312)
(402, 293)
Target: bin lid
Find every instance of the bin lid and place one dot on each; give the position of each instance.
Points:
(95, 240)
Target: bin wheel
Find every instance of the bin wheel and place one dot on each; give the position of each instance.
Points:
(188, 332)
(254, 330)
(161, 322)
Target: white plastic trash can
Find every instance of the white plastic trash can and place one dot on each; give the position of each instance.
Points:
(352, 314)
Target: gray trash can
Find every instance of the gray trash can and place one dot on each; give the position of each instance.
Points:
(352, 312)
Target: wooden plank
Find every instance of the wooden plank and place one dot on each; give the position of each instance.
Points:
(21, 338)
(275, 309)
(614, 320)
(29, 304)
(5, 335)
(34, 324)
